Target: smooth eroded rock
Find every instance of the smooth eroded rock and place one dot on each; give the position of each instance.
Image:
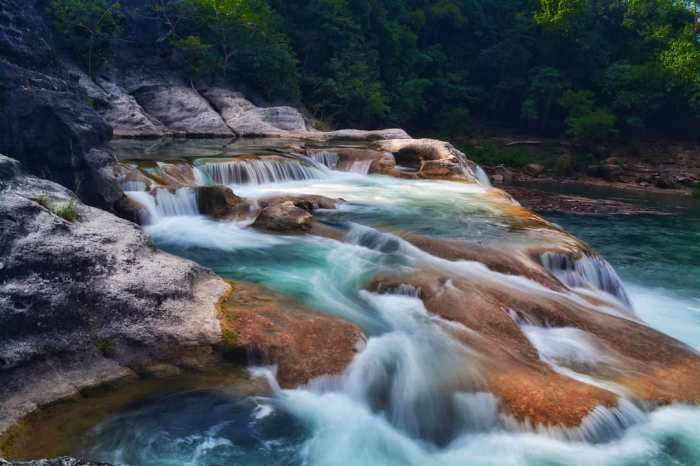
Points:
(263, 327)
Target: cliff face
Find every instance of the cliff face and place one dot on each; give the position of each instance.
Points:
(46, 120)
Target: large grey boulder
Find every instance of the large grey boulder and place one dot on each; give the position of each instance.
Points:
(124, 114)
(249, 120)
(182, 110)
(85, 300)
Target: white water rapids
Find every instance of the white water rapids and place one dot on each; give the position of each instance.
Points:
(395, 404)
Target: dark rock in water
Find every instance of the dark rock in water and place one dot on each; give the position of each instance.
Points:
(284, 217)
(220, 202)
(85, 297)
(63, 461)
(47, 122)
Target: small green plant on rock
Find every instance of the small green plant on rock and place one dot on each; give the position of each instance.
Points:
(42, 200)
(229, 337)
(67, 212)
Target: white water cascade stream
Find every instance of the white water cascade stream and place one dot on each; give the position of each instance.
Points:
(395, 405)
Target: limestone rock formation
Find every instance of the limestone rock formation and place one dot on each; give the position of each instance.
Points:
(63, 461)
(249, 120)
(429, 158)
(85, 297)
(182, 110)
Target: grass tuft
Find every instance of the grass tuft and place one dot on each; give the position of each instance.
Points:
(67, 212)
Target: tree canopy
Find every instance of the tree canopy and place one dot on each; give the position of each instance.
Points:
(591, 69)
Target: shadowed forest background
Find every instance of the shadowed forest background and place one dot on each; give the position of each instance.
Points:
(592, 70)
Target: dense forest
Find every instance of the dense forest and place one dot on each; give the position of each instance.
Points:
(589, 69)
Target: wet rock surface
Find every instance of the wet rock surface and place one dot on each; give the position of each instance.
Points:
(541, 201)
(85, 297)
(262, 327)
(284, 217)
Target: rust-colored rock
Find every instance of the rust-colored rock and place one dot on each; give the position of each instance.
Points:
(302, 343)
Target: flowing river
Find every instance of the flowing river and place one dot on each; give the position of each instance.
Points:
(404, 400)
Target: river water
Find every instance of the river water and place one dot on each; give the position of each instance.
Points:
(392, 405)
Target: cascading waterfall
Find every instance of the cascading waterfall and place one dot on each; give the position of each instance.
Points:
(163, 202)
(360, 166)
(414, 394)
(586, 272)
(325, 157)
(481, 176)
(259, 171)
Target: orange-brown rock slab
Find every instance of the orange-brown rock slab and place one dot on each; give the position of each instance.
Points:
(304, 344)
(543, 397)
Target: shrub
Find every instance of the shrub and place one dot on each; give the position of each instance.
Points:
(88, 27)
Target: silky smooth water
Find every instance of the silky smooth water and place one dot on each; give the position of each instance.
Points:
(395, 405)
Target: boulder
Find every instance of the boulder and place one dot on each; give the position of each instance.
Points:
(262, 327)
(85, 297)
(666, 182)
(307, 202)
(248, 120)
(534, 169)
(124, 114)
(220, 202)
(182, 110)
(428, 158)
(284, 217)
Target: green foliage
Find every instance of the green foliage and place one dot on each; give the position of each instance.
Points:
(88, 27)
(67, 211)
(230, 338)
(237, 39)
(586, 121)
(498, 154)
(435, 66)
(198, 56)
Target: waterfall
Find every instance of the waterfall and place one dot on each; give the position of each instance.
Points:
(586, 272)
(325, 157)
(259, 171)
(481, 176)
(162, 203)
(360, 166)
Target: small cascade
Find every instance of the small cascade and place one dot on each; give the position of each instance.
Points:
(360, 166)
(587, 272)
(259, 171)
(133, 186)
(325, 157)
(481, 176)
(161, 203)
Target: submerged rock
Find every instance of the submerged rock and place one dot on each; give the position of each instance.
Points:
(261, 328)
(308, 202)
(85, 297)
